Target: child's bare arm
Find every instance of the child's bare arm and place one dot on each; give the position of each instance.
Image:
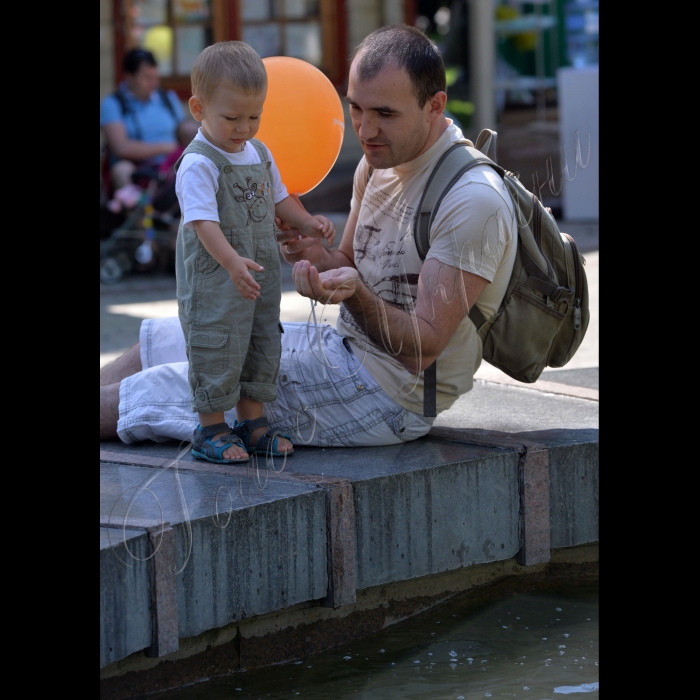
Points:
(220, 249)
(292, 214)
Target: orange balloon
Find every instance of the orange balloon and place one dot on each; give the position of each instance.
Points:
(302, 122)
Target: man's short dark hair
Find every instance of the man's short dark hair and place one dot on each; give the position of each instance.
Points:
(135, 57)
(405, 47)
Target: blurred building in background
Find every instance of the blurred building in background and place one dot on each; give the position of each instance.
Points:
(321, 32)
(531, 40)
(500, 54)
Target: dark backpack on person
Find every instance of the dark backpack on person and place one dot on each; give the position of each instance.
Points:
(544, 314)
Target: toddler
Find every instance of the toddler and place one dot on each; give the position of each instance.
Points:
(227, 260)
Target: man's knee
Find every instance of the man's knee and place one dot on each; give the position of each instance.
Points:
(123, 366)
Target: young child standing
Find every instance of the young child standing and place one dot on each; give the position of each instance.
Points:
(227, 259)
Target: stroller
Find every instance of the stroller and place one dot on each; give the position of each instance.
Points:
(139, 224)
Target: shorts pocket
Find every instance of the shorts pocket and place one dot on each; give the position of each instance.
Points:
(409, 426)
(208, 350)
(353, 432)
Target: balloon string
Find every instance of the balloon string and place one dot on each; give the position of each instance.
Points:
(318, 335)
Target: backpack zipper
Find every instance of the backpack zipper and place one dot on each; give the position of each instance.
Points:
(579, 282)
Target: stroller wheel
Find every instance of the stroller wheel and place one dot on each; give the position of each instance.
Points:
(110, 270)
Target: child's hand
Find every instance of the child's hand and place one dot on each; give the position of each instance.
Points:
(241, 277)
(319, 227)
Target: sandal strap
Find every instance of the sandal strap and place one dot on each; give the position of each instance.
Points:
(269, 442)
(230, 439)
(214, 429)
(249, 426)
(206, 445)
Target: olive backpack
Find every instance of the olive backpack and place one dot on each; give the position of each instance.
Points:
(544, 314)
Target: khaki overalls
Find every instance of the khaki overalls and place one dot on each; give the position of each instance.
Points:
(233, 344)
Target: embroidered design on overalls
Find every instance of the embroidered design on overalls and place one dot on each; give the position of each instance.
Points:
(254, 200)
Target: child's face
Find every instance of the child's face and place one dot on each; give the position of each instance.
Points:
(230, 117)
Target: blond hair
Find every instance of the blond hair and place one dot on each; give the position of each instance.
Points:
(229, 64)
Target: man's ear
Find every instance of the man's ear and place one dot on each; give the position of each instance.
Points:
(196, 108)
(437, 105)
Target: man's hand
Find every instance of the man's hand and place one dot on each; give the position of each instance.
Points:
(330, 287)
(286, 236)
(291, 214)
(295, 247)
(319, 226)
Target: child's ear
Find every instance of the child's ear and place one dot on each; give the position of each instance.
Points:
(196, 107)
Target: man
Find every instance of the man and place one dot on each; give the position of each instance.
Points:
(362, 383)
(139, 121)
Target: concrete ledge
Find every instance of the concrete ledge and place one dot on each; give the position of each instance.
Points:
(125, 606)
(329, 538)
(438, 518)
(253, 556)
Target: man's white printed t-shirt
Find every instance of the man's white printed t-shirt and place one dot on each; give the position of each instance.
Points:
(474, 230)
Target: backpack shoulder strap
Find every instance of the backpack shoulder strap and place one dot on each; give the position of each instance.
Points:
(123, 104)
(486, 143)
(128, 112)
(451, 165)
(166, 101)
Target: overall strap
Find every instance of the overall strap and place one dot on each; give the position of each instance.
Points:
(166, 101)
(260, 148)
(204, 149)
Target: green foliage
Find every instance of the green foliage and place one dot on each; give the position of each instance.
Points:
(452, 73)
(461, 109)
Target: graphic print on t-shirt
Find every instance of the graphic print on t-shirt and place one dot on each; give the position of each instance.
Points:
(398, 289)
(379, 254)
(365, 240)
(254, 198)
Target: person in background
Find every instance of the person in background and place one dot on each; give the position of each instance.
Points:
(129, 195)
(139, 120)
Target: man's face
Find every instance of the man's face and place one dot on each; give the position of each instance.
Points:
(144, 81)
(385, 115)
